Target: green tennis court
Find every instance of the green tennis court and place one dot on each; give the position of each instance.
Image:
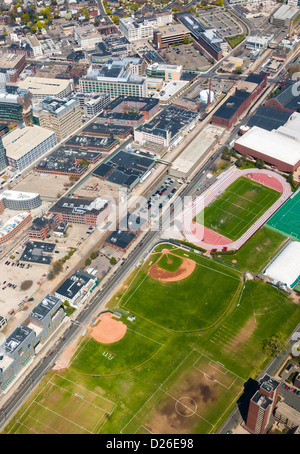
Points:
(287, 219)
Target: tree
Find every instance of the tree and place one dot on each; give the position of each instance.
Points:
(87, 262)
(274, 344)
(94, 255)
(25, 18)
(186, 40)
(174, 9)
(259, 163)
(115, 19)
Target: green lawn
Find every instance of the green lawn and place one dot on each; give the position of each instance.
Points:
(255, 254)
(235, 40)
(139, 388)
(240, 205)
(169, 262)
(193, 303)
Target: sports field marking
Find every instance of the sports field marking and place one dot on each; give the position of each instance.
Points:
(157, 389)
(42, 423)
(133, 331)
(145, 428)
(123, 305)
(217, 271)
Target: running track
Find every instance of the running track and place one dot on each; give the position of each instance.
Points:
(208, 239)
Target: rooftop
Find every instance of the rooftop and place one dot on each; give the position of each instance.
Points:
(45, 306)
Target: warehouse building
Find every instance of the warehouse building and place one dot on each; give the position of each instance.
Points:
(285, 269)
(247, 90)
(82, 211)
(134, 29)
(279, 147)
(285, 15)
(107, 130)
(99, 144)
(148, 107)
(120, 240)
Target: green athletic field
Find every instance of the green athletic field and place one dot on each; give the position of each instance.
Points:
(193, 303)
(161, 381)
(287, 219)
(238, 207)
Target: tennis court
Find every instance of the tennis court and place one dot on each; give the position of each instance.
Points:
(287, 219)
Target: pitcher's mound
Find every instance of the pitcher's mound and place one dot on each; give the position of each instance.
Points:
(184, 270)
(108, 330)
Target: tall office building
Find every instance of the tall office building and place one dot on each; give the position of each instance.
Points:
(63, 116)
(3, 160)
(262, 405)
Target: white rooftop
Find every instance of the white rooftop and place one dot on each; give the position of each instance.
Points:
(286, 267)
(272, 144)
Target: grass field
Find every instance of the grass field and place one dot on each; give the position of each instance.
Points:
(193, 303)
(169, 262)
(239, 206)
(178, 382)
(254, 255)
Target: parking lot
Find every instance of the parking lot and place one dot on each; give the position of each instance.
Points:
(48, 186)
(224, 24)
(187, 56)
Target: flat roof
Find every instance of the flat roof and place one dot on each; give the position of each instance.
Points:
(120, 238)
(272, 144)
(286, 267)
(44, 86)
(17, 195)
(73, 285)
(45, 306)
(21, 141)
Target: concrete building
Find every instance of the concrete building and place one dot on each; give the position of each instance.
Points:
(287, 415)
(262, 405)
(23, 343)
(195, 152)
(136, 29)
(285, 15)
(11, 65)
(76, 288)
(170, 34)
(63, 116)
(87, 36)
(27, 144)
(169, 125)
(41, 87)
(35, 45)
(148, 107)
(206, 38)
(15, 200)
(163, 71)
(42, 227)
(114, 79)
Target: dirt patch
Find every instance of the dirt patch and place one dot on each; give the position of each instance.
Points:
(108, 330)
(185, 270)
(26, 285)
(244, 334)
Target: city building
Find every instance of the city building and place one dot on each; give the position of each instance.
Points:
(113, 46)
(67, 161)
(287, 415)
(170, 34)
(38, 252)
(23, 343)
(15, 200)
(92, 103)
(108, 130)
(237, 104)
(279, 148)
(163, 71)
(285, 15)
(41, 87)
(76, 288)
(262, 405)
(120, 240)
(15, 104)
(27, 144)
(90, 143)
(63, 116)
(82, 211)
(3, 159)
(11, 227)
(11, 65)
(207, 39)
(287, 99)
(126, 168)
(35, 45)
(115, 79)
(135, 29)
(42, 227)
(167, 126)
(87, 36)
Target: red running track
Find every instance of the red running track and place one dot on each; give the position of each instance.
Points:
(208, 239)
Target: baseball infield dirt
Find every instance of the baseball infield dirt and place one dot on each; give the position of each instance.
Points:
(108, 330)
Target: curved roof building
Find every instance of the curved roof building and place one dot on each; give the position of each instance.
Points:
(285, 268)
